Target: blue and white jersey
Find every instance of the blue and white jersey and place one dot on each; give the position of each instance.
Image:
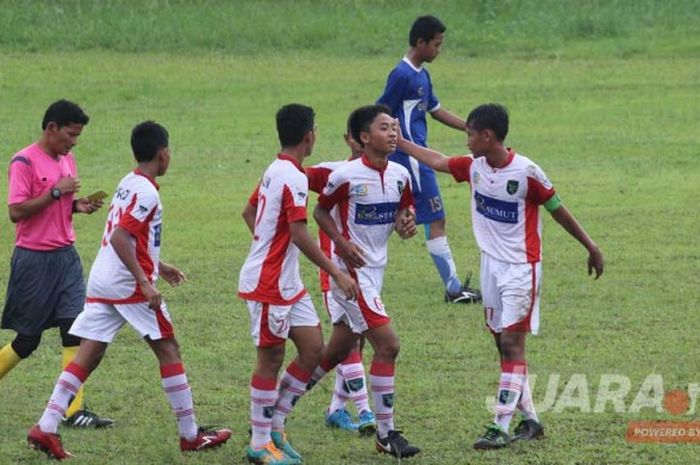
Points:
(409, 95)
(368, 200)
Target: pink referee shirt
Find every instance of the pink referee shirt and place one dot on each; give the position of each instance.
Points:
(32, 173)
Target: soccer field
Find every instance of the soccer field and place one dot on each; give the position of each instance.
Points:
(615, 130)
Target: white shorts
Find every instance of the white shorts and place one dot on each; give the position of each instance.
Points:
(269, 324)
(101, 321)
(511, 295)
(367, 311)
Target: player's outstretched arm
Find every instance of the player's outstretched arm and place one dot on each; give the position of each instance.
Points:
(448, 118)
(123, 246)
(248, 215)
(432, 158)
(353, 254)
(308, 246)
(569, 223)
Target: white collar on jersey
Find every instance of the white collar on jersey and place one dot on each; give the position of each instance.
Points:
(409, 63)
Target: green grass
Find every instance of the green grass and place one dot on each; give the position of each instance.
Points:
(354, 27)
(612, 120)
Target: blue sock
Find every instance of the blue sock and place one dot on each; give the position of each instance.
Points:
(441, 254)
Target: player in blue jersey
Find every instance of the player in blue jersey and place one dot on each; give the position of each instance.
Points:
(409, 95)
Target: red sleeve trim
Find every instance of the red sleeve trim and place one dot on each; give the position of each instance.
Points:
(406, 198)
(293, 212)
(537, 193)
(130, 224)
(318, 178)
(459, 167)
(329, 201)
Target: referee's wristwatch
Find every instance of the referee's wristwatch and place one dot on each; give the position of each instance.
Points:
(56, 193)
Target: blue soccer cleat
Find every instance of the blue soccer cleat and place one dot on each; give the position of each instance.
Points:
(340, 419)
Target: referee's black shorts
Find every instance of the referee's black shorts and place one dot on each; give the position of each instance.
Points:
(44, 287)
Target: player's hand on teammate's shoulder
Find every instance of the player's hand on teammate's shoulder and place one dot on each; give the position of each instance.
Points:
(351, 253)
(595, 261)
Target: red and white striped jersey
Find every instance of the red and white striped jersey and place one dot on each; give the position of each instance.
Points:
(505, 205)
(270, 274)
(368, 200)
(318, 178)
(136, 208)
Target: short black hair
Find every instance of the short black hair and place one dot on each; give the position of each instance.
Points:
(147, 139)
(63, 113)
(293, 122)
(361, 119)
(490, 116)
(426, 28)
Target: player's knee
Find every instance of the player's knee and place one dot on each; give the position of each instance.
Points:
(389, 351)
(24, 345)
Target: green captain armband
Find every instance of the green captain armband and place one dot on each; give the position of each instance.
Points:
(553, 203)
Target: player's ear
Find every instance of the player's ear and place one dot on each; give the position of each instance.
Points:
(364, 138)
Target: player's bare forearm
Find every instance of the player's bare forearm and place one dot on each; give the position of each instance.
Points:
(448, 118)
(126, 251)
(308, 246)
(351, 253)
(171, 274)
(595, 256)
(248, 214)
(432, 158)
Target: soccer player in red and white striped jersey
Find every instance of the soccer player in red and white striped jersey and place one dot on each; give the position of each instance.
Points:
(507, 190)
(278, 304)
(121, 289)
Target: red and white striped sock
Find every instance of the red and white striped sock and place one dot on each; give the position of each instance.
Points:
(263, 396)
(525, 404)
(381, 377)
(355, 381)
(321, 370)
(510, 388)
(179, 394)
(292, 387)
(66, 387)
(340, 394)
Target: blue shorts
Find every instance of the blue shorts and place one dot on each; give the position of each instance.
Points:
(424, 187)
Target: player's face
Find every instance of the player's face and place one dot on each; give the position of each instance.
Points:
(432, 48)
(62, 140)
(383, 134)
(477, 141)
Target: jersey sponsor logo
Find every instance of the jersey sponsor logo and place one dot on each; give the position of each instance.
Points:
(376, 213)
(421, 91)
(143, 209)
(266, 182)
(512, 186)
(301, 195)
(496, 210)
(400, 186)
(360, 190)
(477, 178)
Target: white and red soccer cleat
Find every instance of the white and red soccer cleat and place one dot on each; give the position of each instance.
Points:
(206, 439)
(47, 442)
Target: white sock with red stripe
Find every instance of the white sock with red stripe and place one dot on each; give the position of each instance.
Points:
(355, 381)
(179, 394)
(525, 404)
(513, 376)
(340, 393)
(263, 396)
(381, 377)
(321, 370)
(292, 387)
(66, 387)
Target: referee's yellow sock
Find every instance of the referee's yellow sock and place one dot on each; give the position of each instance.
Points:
(69, 354)
(8, 359)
